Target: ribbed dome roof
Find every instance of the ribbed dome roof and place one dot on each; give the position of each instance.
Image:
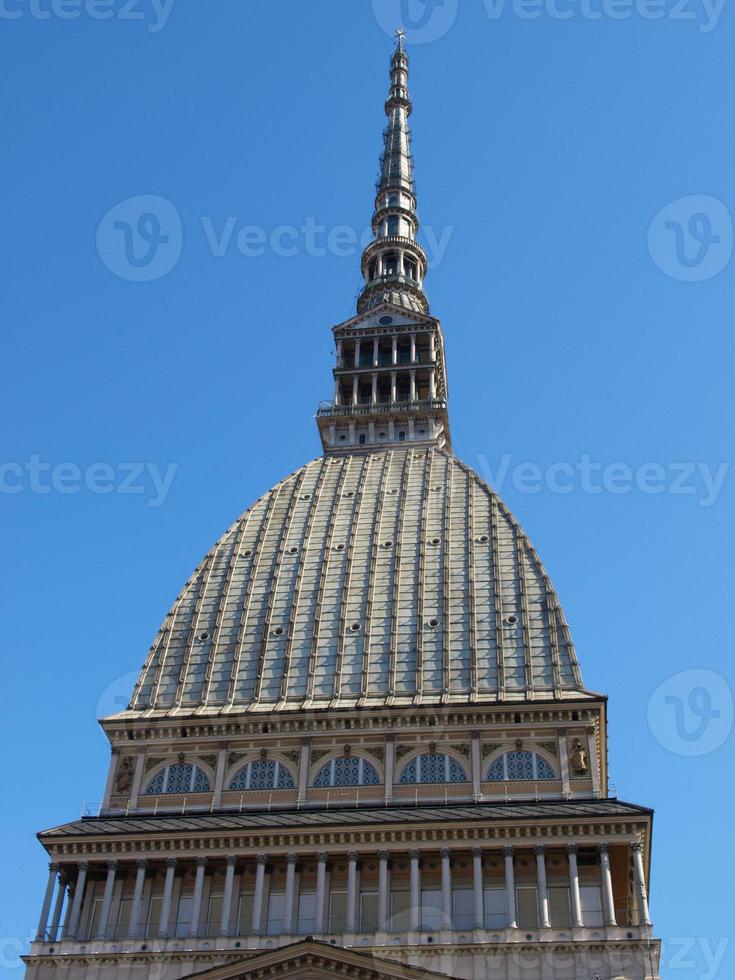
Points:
(390, 578)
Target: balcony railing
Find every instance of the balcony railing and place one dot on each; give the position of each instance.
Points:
(382, 408)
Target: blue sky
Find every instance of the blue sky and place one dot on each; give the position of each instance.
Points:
(574, 161)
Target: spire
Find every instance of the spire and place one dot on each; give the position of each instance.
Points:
(390, 381)
(394, 264)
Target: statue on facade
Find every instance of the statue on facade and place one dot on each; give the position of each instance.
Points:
(579, 758)
(124, 777)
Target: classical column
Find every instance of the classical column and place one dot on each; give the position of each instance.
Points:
(135, 925)
(290, 894)
(566, 785)
(413, 386)
(357, 353)
(543, 890)
(321, 892)
(383, 890)
(103, 929)
(415, 910)
(304, 754)
(577, 920)
(640, 881)
(196, 906)
(219, 776)
(67, 913)
(224, 926)
(593, 763)
(607, 888)
(137, 780)
(374, 395)
(257, 922)
(390, 756)
(475, 752)
(394, 353)
(432, 348)
(413, 348)
(58, 908)
(376, 353)
(352, 859)
(111, 775)
(355, 390)
(394, 386)
(446, 856)
(76, 907)
(168, 891)
(478, 888)
(432, 384)
(53, 871)
(510, 888)
(339, 354)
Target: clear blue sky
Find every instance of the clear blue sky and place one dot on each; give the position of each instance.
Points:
(546, 146)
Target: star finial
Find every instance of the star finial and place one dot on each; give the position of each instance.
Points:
(400, 35)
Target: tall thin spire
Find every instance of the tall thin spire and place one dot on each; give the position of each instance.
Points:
(394, 264)
(390, 383)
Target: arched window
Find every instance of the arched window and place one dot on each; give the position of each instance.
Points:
(433, 768)
(347, 771)
(262, 775)
(181, 778)
(520, 765)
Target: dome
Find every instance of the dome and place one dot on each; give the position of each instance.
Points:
(396, 577)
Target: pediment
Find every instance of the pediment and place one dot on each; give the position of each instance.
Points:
(313, 960)
(402, 317)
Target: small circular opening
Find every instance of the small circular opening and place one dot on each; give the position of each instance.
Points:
(278, 631)
(293, 551)
(248, 553)
(306, 496)
(436, 541)
(433, 623)
(511, 620)
(203, 636)
(340, 547)
(387, 544)
(355, 627)
(392, 492)
(483, 539)
(350, 493)
(386, 321)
